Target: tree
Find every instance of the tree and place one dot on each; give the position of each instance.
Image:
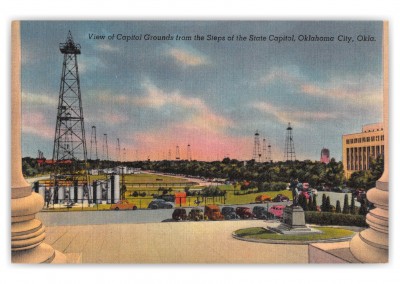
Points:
(338, 208)
(323, 204)
(346, 209)
(303, 202)
(328, 204)
(363, 208)
(310, 205)
(314, 202)
(352, 207)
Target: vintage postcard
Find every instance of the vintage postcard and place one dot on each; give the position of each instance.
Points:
(200, 142)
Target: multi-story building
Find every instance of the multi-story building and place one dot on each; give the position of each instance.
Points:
(359, 148)
(325, 158)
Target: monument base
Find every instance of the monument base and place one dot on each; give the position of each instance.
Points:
(294, 223)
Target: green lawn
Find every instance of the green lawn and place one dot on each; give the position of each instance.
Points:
(264, 234)
(143, 178)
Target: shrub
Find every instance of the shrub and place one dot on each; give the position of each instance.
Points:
(338, 219)
(338, 208)
(346, 209)
(323, 204)
(352, 206)
(303, 202)
(363, 208)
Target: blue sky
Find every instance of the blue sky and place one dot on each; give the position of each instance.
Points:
(154, 95)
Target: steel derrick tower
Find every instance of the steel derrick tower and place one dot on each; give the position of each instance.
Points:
(290, 154)
(256, 149)
(69, 138)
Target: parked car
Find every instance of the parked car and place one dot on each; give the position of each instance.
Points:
(229, 213)
(277, 210)
(212, 212)
(280, 198)
(263, 198)
(305, 193)
(244, 212)
(123, 205)
(312, 192)
(196, 214)
(261, 212)
(179, 214)
(160, 204)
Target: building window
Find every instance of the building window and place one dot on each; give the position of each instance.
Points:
(359, 140)
(373, 138)
(382, 138)
(363, 139)
(368, 139)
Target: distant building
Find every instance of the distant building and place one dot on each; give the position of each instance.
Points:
(325, 158)
(359, 148)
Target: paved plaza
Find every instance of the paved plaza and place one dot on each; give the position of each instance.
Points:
(172, 242)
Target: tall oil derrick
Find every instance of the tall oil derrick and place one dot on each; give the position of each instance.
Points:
(69, 139)
(290, 154)
(189, 153)
(264, 150)
(257, 150)
(93, 142)
(105, 147)
(118, 151)
(177, 156)
(269, 158)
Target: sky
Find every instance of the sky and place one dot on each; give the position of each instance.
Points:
(155, 95)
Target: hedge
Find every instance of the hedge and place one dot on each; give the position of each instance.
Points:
(339, 219)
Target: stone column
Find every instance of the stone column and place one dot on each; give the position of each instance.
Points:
(372, 244)
(27, 232)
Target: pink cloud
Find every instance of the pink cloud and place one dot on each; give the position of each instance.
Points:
(111, 118)
(35, 123)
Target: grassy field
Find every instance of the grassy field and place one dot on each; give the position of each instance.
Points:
(264, 234)
(144, 178)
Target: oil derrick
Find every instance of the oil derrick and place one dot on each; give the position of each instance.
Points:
(105, 147)
(69, 139)
(118, 151)
(177, 156)
(264, 150)
(290, 154)
(93, 142)
(257, 150)
(189, 153)
(169, 155)
(269, 157)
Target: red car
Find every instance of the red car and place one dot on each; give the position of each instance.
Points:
(123, 205)
(277, 210)
(306, 194)
(244, 212)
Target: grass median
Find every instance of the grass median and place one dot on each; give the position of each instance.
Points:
(259, 233)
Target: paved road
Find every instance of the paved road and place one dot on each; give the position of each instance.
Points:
(74, 218)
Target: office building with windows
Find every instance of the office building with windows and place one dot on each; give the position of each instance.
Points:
(359, 148)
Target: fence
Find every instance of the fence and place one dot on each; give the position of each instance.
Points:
(139, 202)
